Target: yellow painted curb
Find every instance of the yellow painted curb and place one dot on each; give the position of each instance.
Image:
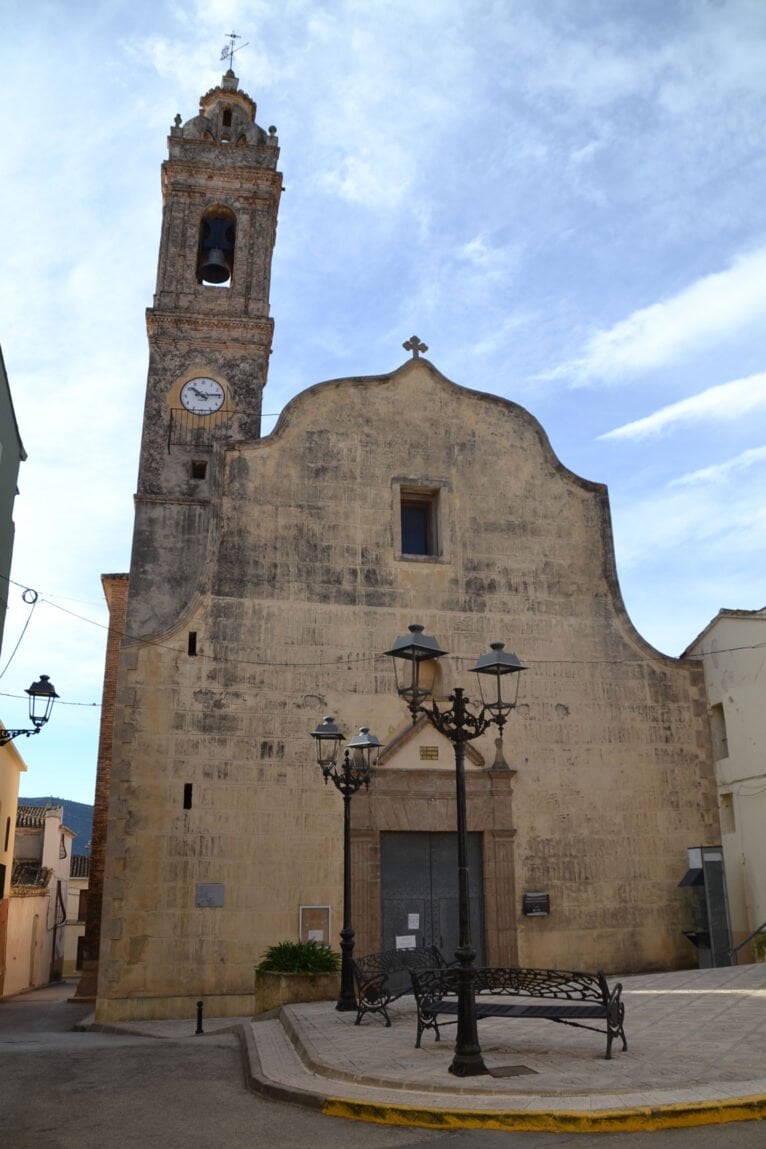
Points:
(629, 1120)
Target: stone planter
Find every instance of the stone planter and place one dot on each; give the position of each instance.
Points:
(275, 989)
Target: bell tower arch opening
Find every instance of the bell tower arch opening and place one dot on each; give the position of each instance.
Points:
(217, 241)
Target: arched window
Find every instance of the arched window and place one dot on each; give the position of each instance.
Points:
(217, 239)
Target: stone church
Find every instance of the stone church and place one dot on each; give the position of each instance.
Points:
(268, 578)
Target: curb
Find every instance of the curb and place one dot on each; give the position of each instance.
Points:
(259, 1083)
(632, 1120)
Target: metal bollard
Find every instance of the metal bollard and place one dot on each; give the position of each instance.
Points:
(199, 1028)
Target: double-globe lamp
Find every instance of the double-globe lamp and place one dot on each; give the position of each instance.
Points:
(459, 724)
(360, 755)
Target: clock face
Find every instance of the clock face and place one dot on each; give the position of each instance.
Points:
(202, 396)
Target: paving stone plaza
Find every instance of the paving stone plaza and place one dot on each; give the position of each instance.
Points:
(696, 1055)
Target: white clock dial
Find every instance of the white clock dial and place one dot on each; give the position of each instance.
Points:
(202, 396)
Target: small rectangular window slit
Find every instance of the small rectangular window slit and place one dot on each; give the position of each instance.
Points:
(187, 795)
(199, 469)
(192, 642)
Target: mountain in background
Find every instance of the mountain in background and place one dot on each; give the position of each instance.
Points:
(78, 816)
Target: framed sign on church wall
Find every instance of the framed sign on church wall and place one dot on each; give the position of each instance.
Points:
(315, 924)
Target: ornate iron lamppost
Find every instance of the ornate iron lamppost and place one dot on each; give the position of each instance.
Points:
(41, 698)
(353, 773)
(460, 725)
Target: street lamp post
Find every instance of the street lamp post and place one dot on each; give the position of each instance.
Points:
(41, 698)
(460, 724)
(353, 773)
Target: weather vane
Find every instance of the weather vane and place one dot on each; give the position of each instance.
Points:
(230, 50)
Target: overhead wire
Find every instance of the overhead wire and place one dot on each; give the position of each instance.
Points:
(372, 657)
(348, 660)
(31, 597)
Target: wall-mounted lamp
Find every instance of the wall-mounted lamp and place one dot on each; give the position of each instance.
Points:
(42, 695)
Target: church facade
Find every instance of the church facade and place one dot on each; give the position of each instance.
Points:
(268, 578)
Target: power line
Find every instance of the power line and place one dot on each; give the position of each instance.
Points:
(349, 660)
(33, 603)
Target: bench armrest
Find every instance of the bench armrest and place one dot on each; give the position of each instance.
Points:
(614, 1003)
(432, 984)
(372, 987)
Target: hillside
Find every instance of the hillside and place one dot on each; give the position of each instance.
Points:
(78, 816)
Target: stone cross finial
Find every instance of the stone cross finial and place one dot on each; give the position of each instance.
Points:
(414, 345)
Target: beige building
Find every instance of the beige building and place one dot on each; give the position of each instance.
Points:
(269, 576)
(12, 765)
(731, 648)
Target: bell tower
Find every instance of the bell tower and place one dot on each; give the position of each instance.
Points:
(210, 335)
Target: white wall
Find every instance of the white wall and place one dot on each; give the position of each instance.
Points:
(733, 650)
(28, 950)
(74, 927)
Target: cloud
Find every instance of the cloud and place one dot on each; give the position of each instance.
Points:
(727, 401)
(358, 179)
(492, 260)
(720, 471)
(714, 308)
(695, 528)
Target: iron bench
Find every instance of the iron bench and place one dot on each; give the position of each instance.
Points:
(376, 980)
(564, 996)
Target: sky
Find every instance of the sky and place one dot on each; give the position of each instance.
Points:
(565, 200)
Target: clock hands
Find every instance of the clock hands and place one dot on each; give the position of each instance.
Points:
(202, 396)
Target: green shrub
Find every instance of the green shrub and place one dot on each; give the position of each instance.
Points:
(759, 946)
(299, 957)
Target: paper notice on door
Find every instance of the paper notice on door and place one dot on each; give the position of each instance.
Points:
(405, 941)
(413, 921)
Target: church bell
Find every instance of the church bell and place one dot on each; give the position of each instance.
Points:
(215, 268)
(216, 251)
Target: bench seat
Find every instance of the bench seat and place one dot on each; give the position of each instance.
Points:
(565, 996)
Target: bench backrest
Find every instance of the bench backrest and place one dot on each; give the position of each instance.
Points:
(390, 961)
(391, 968)
(569, 985)
(515, 981)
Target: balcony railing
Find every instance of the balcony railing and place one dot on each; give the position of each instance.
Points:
(187, 430)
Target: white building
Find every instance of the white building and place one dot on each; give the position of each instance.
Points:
(76, 906)
(733, 652)
(37, 905)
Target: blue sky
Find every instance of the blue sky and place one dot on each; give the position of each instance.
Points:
(565, 200)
